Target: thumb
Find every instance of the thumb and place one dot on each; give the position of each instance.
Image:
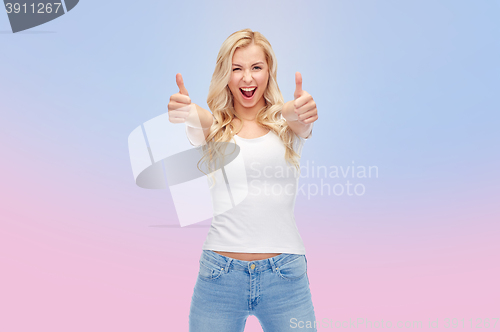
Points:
(180, 84)
(298, 84)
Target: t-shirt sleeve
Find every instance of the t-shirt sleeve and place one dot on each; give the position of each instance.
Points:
(198, 135)
(300, 141)
(187, 135)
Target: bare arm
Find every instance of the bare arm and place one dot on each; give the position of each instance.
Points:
(198, 134)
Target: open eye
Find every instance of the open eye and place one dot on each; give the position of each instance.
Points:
(257, 67)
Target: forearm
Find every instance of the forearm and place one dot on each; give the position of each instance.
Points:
(301, 129)
(205, 116)
(198, 134)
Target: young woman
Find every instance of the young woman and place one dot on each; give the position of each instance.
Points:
(253, 260)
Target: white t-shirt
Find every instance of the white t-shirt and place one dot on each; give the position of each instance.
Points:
(264, 221)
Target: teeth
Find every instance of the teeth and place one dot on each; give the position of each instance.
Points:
(247, 89)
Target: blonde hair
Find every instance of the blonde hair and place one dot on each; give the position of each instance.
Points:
(220, 99)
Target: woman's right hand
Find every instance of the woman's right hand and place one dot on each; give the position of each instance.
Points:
(180, 108)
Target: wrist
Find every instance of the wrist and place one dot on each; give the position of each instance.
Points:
(287, 112)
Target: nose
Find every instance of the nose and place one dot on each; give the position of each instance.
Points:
(247, 77)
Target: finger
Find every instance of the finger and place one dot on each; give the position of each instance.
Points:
(180, 84)
(311, 119)
(173, 106)
(178, 114)
(180, 98)
(177, 120)
(307, 115)
(307, 112)
(298, 84)
(302, 100)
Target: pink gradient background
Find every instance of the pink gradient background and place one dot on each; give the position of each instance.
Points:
(78, 254)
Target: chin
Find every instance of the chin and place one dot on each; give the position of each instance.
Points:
(250, 103)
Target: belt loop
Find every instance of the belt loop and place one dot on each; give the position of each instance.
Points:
(227, 264)
(273, 267)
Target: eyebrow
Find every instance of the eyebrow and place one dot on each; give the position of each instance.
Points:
(260, 62)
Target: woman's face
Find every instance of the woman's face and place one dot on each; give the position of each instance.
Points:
(250, 72)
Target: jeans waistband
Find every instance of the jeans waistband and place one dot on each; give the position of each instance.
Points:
(259, 265)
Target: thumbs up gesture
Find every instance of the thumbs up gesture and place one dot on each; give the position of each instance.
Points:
(304, 105)
(180, 108)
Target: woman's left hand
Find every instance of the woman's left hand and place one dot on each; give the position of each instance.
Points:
(304, 104)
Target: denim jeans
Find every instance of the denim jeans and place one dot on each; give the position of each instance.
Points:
(275, 290)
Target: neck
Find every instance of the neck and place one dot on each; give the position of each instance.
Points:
(249, 113)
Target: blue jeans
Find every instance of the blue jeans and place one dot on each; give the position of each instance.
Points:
(275, 290)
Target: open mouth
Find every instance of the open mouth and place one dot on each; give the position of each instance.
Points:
(248, 93)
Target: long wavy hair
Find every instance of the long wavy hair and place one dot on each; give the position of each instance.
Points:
(220, 100)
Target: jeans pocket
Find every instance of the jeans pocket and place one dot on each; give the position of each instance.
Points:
(209, 270)
(293, 270)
